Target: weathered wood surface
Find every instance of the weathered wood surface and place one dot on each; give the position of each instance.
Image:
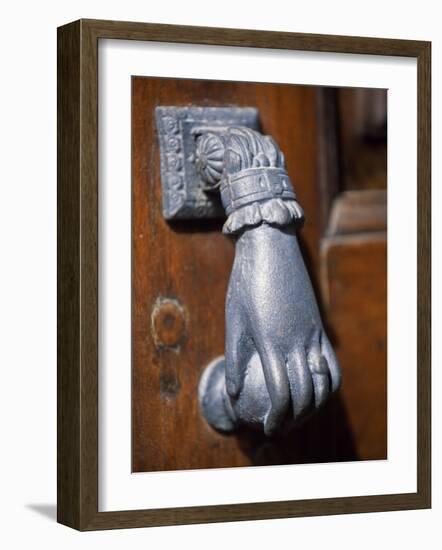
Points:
(180, 274)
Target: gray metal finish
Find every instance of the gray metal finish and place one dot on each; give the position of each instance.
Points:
(279, 365)
(185, 194)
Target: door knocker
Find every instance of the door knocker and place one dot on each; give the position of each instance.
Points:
(278, 366)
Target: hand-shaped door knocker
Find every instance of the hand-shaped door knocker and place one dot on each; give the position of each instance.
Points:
(279, 365)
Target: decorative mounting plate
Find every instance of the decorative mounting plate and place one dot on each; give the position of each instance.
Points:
(184, 196)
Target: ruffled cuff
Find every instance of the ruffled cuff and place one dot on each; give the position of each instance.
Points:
(273, 212)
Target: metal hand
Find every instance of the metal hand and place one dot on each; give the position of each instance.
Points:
(279, 365)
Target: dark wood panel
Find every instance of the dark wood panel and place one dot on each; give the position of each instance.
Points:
(355, 282)
(180, 275)
(354, 287)
(363, 137)
(358, 212)
(188, 265)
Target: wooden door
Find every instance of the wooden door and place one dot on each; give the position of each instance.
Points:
(180, 273)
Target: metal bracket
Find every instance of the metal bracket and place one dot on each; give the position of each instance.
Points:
(185, 194)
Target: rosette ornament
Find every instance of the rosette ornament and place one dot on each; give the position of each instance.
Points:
(209, 159)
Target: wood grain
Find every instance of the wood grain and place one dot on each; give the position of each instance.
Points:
(190, 262)
(68, 277)
(355, 280)
(358, 212)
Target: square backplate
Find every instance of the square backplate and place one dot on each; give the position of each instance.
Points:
(184, 196)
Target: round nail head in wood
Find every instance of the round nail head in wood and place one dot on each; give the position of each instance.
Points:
(168, 323)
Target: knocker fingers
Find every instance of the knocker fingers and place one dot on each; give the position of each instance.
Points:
(320, 373)
(277, 383)
(237, 350)
(332, 362)
(301, 384)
